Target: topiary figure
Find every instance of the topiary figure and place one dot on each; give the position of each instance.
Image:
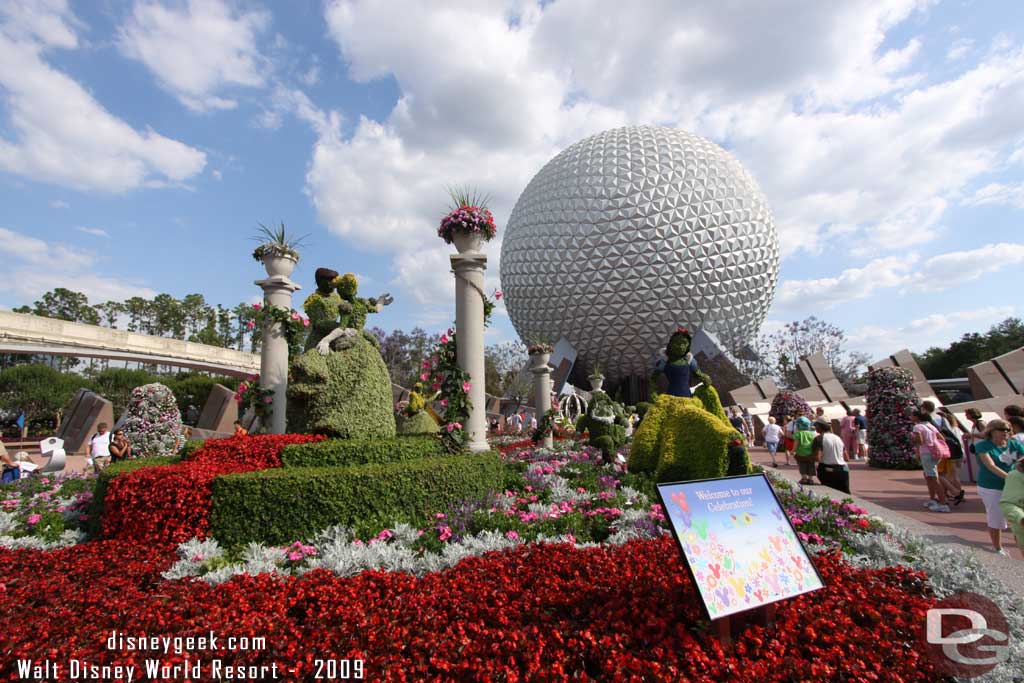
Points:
(604, 418)
(340, 386)
(789, 403)
(414, 418)
(891, 399)
(153, 421)
(684, 436)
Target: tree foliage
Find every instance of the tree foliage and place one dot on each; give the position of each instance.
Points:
(778, 353)
(404, 353)
(39, 390)
(970, 349)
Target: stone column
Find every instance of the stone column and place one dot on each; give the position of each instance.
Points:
(469, 270)
(542, 391)
(277, 291)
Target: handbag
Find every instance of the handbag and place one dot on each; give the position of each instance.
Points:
(940, 450)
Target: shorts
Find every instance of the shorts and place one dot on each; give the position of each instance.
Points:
(993, 515)
(807, 468)
(772, 446)
(946, 467)
(928, 464)
(789, 444)
(862, 436)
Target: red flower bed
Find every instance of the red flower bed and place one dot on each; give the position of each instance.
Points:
(171, 504)
(537, 613)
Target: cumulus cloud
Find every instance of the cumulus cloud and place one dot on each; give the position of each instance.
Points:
(920, 334)
(199, 51)
(35, 266)
(999, 194)
(955, 268)
(851, 284)
(58, 132)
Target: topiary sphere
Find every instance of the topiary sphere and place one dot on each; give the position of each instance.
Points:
(631, 232)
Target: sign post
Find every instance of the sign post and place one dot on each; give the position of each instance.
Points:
(739, 547)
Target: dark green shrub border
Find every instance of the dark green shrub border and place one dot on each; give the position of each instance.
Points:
(107, 475)
(345, 452)
(283, 505)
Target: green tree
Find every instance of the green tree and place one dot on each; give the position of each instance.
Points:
(39, 390)
(971, 349)
(140, 315)
(116, 384)
(778, 354)
(65, 304)
(109, 312)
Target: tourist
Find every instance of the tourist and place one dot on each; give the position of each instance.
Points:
(517, 423)
(533, 423)
(772, 436)
(848, 433)
(99, 447)
(997, 453)
(862, 434)
(1011, 503)
(1017, 427)
(1013, 410)
(240, 430)
(803, 436)
(925, 438)
(736, 420)
(828, 450)
(120, 447)
(819, 413)
(949, 470)
(748, 424)
(788, 427)
(11, 468)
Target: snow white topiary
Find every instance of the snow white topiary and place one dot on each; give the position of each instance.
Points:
(153, 421)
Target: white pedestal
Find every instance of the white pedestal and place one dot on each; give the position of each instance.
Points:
(469, 332)
(277, 291)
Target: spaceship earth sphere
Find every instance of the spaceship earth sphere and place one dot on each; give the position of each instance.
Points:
(632, 232)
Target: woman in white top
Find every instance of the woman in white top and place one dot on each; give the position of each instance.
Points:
(772, 437)
(924, 435)
(828, 450)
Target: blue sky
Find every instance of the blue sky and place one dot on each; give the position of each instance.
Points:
(142, 142)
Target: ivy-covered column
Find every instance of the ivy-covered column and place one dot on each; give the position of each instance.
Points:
(277, 292)
(469, 270)
(542, 392)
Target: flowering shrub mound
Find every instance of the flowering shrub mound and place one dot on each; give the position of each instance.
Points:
(789, 403)
(891, 398)
(171, 504)
(542, 612)
(153, 422)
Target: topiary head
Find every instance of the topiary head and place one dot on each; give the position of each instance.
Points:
(416, 403)
(678, 344)
(324, 278)
(347, 285)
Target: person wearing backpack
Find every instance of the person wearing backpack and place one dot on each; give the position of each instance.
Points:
(804, 436)
(931, 449)
(947, 468)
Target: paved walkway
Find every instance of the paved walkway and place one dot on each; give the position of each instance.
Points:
(904, 491)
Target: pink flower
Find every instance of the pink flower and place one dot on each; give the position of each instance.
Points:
(436, 386)
(445, 533)
(268, 399)
(295, 556)
(296, 316)
(384, 535)
(252, 378)
(439, 515)
(512, 536)
(257, 307)
(198, 557)
(444, 403)
(425, 364)
(466, 387)
(450, 427)
(305, 321)
(424, 376)
(444, 338)
(497, 295)
(33, 519)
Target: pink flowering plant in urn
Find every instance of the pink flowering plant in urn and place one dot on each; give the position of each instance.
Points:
(153, 421)
(468, 217)
(250, 395)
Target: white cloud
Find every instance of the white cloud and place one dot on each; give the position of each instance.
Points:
(61, 134)
(35, 267)
(998, 193)
(198, 51)
(851, 284)
(59, 204)
(955, 268)
(96, 232)
(959, 49)
(938, 329)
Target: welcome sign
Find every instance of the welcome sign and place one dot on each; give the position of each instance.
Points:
(741, 550)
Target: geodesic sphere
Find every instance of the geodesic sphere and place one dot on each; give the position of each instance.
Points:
(633, 232)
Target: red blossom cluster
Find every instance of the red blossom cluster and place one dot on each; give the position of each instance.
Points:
(171, 504)
(536, 613)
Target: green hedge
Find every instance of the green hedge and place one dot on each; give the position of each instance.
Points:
(288, 504)
(345, 452)
(107, 474)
